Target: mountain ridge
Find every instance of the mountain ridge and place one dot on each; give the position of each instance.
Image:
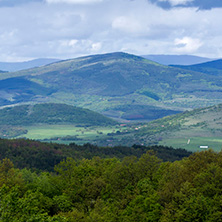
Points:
(177, 59)
(110, 83)
(16, 66)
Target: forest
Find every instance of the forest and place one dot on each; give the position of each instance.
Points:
(105, 187)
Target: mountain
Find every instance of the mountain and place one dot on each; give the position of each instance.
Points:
(177, 59)
(119, 85)
(211, 68)
(16, 66)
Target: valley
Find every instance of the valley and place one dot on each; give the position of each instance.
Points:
(139, 101)
(65, 124)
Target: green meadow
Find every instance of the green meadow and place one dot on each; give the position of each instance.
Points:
(70, 133)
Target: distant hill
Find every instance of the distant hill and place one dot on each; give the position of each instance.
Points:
(16, 66)
(177, 59)
(51, 113)
(211, 68)
(119, 85)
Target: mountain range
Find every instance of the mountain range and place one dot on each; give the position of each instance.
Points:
(118, 85)
(16, 66)
(177, 59)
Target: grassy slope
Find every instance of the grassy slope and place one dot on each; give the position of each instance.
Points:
(200, 126)
(122, 85)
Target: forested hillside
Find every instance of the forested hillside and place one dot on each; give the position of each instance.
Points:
(51, 113)
(131, 189)
(44, 156)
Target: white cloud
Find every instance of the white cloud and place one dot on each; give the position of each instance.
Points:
(187, 45)
(96, 46)
(69, 30)
(127, 24)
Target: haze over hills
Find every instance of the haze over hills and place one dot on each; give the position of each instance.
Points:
(119, 85)
(16, 66)
(177, 59)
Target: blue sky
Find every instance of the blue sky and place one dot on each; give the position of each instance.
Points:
(70, 28)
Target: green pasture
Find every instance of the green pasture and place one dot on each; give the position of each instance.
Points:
(83, 134)
(214, 143)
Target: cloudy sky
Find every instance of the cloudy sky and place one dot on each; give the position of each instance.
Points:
(70, 28)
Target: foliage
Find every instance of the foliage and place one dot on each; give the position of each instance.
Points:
(133, 189)
(44, 156)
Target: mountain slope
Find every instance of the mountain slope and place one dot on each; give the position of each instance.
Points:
(211, 68)
(117, 84)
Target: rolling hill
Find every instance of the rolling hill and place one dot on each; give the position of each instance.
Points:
(119, 85)
(65, 124)
(15, 120)
(51, 113)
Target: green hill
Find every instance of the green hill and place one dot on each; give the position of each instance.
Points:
(119, 85)
(16, 120)
(51, 113)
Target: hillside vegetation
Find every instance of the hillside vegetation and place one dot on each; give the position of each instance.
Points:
(188, 130)
(119, 85)
(44, 156)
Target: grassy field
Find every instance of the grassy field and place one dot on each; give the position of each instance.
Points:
(214, 143)
(82, 134)
(70, 133)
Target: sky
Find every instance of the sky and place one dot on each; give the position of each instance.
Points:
(66, 29)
